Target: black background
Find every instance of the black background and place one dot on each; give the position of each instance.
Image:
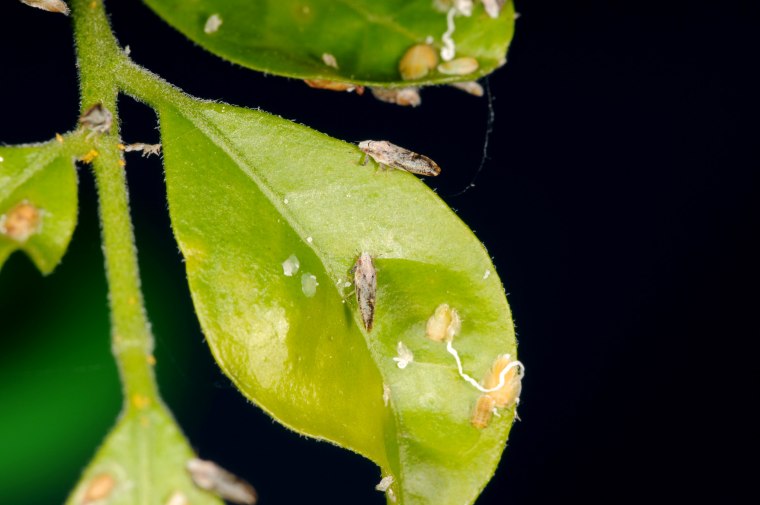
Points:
(618, 200)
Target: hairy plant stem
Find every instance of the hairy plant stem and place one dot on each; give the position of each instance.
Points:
(98, 57)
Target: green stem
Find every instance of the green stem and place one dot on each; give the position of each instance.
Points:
(99, 57)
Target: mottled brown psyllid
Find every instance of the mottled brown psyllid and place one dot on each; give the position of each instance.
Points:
(391, 155)
(365, 285)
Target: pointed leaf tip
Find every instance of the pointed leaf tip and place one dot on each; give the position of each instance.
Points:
(38, 203)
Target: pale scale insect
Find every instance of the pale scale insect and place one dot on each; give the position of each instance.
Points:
(21, 222)
(329, 60)
(417, 62)
(213, 23)
(472, 87)
(98, 488)
(334, 85)
(365, 285)
(211, 477)
(408, 96)
(460, 66)
(391, 155)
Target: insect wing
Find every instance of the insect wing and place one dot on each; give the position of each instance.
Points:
(365, 283)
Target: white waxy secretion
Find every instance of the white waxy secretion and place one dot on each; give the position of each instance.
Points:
(329, 60)
(211, 477)
(391, 155)
(464, 6)
(493, 7)
(404, 356)
(213, 23)
(365, 285)
(309, 284)
(290, 266)
(384, 483)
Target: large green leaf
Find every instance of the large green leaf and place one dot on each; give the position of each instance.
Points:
(143, 460)
(38, 203)
(367, 37)
(247, 191)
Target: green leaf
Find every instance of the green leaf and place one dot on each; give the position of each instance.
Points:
(143, 460)
(367, 37)
(38, 203)
(248, 191)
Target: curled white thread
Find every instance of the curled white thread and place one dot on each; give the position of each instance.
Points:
(448, 51)
(476, 384)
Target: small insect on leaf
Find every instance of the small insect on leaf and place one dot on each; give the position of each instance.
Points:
(49, 5)
(334, 85)
(472, 87)
(146, 149)
(493, 7)
(481, 416)
(417, 62)
(406, 97)
(404, 356)
(98, 488)
(97, 119)
(391, 155)
(211, 477)
(365, 284)
(459, 66)
(384, 486)
(329, 60)
(21, 222)
(508, 393)
(213, 23)
(444, 324)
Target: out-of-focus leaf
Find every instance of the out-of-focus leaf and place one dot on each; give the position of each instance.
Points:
(38, 203)
(143, 460)
(254, 198)
(367, 38)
